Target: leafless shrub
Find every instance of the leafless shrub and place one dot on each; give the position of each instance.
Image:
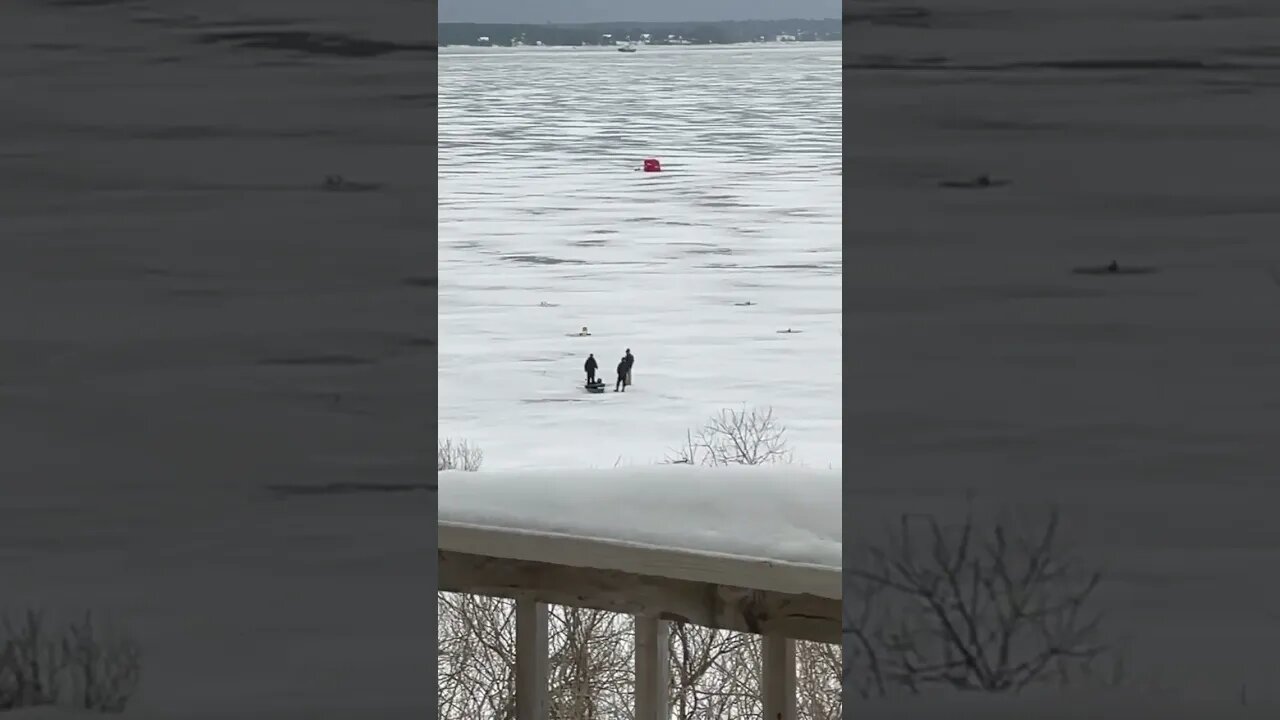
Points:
(735, 437)
(78, 666)
(458, 455)
(957, 607)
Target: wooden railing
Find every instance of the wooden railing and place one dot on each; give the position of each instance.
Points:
(781, 602)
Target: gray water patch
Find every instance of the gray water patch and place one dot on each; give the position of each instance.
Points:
(542, 260)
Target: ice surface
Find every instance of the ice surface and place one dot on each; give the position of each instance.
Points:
(777, 513)
(540, 202)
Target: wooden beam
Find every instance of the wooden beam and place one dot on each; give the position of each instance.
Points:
(653, 664)
(799, 616)
(531, 659)
(778, 678)
(744, 572)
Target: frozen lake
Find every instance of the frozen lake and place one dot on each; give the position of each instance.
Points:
(540, 202)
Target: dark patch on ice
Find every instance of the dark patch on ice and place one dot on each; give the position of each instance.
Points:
(313, 43)
(1128, 64)
(745, 304)
(723, 203)
(542, 260)
(794, 266)
(337, 183)
(876, 60)
(550, 400)
(982, 182)
(591, 242)
(350, 488)
(604, 232)
(712, 251)
(1113, 270)
(319, 360)
(421, 281)
(789, 331)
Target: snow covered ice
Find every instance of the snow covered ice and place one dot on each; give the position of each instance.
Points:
(779, 514)
(541, 202)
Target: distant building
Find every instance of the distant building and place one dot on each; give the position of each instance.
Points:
(785, 38)
(484, 40)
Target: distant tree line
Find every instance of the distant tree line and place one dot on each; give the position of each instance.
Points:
(667, 33)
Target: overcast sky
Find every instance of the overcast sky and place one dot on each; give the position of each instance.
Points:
(584, 11)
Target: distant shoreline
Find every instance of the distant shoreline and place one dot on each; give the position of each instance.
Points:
(610, 34)
(478, 50)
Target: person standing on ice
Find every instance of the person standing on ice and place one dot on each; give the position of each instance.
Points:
(630, 360)
(590, 366)
(623, 368)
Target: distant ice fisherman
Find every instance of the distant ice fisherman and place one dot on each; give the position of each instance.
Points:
(624, 372)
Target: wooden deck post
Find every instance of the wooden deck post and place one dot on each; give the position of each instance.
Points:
(778, 677)
(652, 668)
(531, 659)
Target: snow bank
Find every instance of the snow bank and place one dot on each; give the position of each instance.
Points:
(781, 514)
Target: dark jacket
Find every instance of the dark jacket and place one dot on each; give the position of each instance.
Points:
(590, 365)
(622, 368)
(629, 359)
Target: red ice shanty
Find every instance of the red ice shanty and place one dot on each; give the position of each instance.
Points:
(652, 165)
